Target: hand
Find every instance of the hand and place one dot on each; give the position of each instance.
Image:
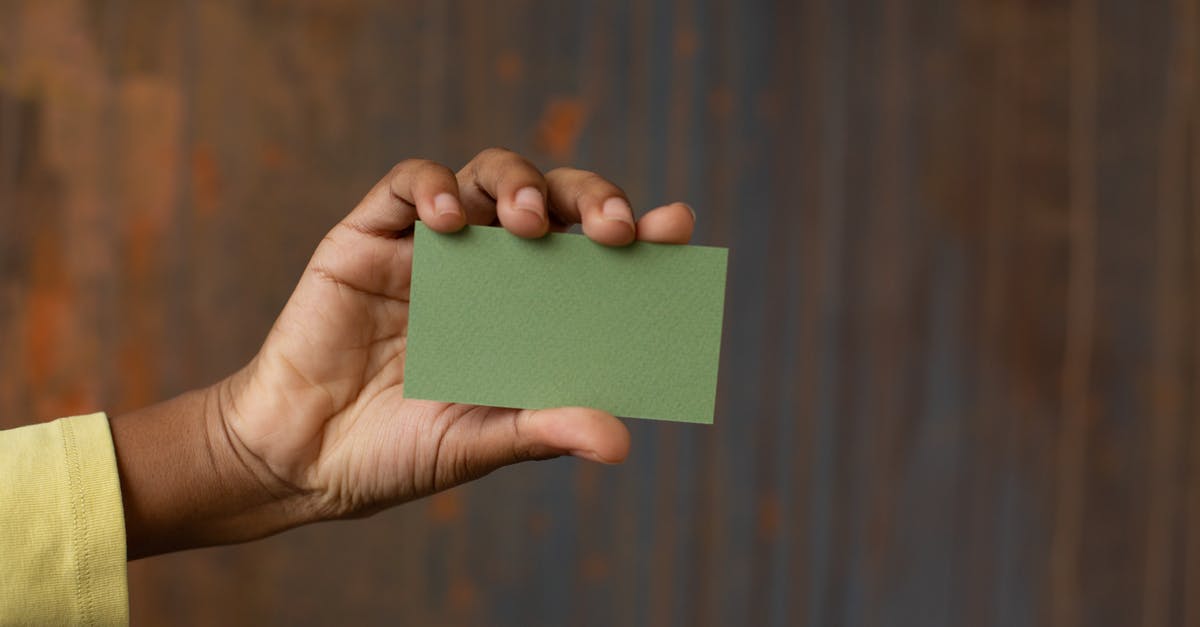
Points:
(317, 425)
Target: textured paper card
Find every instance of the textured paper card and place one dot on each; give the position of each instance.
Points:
(510, 322)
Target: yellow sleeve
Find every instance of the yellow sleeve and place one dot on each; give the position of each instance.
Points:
(62, 528)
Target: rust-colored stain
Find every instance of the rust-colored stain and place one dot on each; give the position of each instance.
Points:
(332, 25)
(463, 594)
(272, 156)
(47, 308)
(509, 67)
(560, 126)
(445, 507)
(769, 515)
(538, 522)
(151, 114)
(595, 567)
(206, 180)
(686, 44)
(138, 380)
(720, 101)
(72, 398)
(143, 236)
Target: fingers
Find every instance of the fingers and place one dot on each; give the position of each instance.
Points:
(501, 183)
(579, 196)
(433, 190)
(669, 224)
(413, 188)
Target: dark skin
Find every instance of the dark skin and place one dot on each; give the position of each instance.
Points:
(316, 426)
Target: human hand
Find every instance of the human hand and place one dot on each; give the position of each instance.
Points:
(317, 425)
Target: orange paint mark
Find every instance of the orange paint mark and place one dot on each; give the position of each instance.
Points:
(463, 594)
(445, 507)
(720, 102)
(150, 110)
(560, 127)
(539, 523)
(687, 42)
(137, 374)
(206, 181)
(272, 155)
(769, 516)
(49, 304)
(144, 231)
(46, 311)
(595, 567)
(509, 66)
(73, 400)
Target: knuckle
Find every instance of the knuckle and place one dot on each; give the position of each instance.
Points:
(495, 153)
(415, 171)
(579, 176)
(593, 189)
(434, 168)
(605, 186)
(593, 182)
(405, 166)
(507, 158)
(508, 170)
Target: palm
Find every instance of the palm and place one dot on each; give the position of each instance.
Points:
(341, 344)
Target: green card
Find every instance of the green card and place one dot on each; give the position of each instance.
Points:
(510, 322)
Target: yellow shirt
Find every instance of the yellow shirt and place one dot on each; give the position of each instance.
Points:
(62, 528)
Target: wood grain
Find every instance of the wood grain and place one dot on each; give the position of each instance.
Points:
(961, 359)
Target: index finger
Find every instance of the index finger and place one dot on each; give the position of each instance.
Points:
(414, 187)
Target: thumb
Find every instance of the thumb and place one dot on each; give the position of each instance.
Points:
(514, 436)
(580, 431)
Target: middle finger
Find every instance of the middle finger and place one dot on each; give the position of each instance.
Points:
(501, 183)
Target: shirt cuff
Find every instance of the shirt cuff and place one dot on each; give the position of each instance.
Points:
(63, 527)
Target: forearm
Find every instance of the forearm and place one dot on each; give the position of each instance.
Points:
(185, 482)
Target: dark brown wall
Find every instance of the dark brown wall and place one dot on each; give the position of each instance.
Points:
(961, 363)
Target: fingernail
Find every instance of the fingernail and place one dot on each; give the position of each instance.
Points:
(530, 199)
(445, 204)
(617, 209)
(690, 210)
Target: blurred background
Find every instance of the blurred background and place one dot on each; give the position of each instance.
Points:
(961, 360)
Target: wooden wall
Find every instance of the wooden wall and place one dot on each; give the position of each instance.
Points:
(961, 369)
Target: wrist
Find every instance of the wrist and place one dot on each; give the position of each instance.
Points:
(187, 482)
(259, 501)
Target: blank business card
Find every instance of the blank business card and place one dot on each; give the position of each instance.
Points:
(499, 320)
